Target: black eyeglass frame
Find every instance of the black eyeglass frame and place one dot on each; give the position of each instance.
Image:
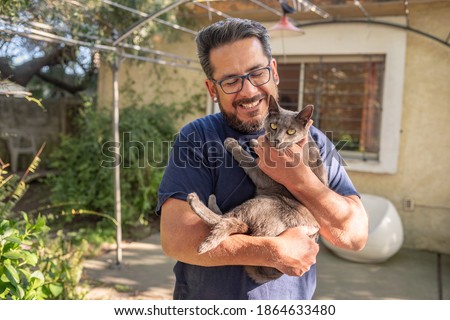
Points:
(246, 76)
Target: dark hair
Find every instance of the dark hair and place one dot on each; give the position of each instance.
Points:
(227, 31)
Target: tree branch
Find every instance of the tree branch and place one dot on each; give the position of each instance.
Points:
(24, 73)
(72, 88)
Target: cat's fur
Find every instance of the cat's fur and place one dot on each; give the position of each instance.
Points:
(273, 209)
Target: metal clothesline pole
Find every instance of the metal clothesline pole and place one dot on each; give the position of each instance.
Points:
(117, 163)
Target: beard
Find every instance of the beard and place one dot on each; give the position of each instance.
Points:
(251, 126)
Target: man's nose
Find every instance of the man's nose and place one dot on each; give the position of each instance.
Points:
(248, 89)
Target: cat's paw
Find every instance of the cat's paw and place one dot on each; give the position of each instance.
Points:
(230, 144)
(191, 197)
(253, 143)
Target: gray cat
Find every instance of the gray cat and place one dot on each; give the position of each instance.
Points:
(273, 209)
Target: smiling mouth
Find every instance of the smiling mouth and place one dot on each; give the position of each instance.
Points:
(250, 104)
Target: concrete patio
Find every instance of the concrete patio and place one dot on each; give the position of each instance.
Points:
(147, 274)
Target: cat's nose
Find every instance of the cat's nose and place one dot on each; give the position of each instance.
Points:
(276, 142)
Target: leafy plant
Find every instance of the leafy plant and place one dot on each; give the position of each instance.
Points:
(62, 263)
(84, 162)
(19, 255)
(32, 265)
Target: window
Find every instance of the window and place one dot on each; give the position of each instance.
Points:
(346, 92)
(374, 56)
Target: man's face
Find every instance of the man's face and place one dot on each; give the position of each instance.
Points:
(244, 110)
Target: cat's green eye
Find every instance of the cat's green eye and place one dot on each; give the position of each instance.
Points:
(273, 126)
(290, 132)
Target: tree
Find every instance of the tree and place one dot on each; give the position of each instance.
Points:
(57, 41)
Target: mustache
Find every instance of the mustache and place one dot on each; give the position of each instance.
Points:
(258, 97)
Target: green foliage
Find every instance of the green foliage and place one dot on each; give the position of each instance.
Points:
(94, 18)
(12, 7)
(19, 254)
(73, 67)
(33, 266)
(84, 162)
(80, 179)
(62, 262)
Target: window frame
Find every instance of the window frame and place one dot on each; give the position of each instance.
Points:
(360, 39)
(300, 66)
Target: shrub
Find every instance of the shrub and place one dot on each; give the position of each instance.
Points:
(32, 265)
(84, 161)
(19, 255)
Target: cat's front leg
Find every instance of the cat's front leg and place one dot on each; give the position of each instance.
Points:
(248, 163)
(244, 159)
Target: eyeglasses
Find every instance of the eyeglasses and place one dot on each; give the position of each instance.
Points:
(235, 84)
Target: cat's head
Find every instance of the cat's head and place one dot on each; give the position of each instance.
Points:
(285, 127)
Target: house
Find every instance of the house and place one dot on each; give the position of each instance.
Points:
(379, 76)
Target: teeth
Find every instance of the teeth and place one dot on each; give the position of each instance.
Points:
(249, 105)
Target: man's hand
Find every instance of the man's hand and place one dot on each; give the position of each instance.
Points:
(295, 252)
(182, 231)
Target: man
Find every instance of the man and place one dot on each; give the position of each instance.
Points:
(236, 57)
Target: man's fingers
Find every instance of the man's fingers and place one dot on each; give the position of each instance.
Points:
(261, 139)
(309, 230)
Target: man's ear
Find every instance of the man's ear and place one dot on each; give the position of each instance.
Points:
(211, 89)
(276, 77)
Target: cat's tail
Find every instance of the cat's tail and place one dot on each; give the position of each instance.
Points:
(202, 211)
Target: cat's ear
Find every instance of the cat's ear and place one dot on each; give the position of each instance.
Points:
(273, 105)
(306, 113)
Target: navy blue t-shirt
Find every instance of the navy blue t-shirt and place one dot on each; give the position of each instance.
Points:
(199, 163)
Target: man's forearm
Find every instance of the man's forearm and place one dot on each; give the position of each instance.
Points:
(343, 219)
(293, 252)
(181, 236)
